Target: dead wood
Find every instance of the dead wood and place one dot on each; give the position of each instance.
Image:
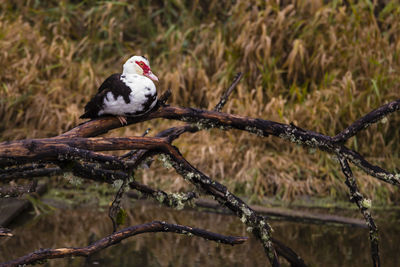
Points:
(77, 151)
(116, 237)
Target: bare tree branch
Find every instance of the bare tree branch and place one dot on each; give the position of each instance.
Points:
(363, 205)
(207, 119)
(115, 207)
(30, 167)
(5, 177)
(288, 254)
(117, 237)
(369, 119)
(19, 190)
(373, 170)
(228, 92)
(74, 152)
(133, 152)
(257, 224)
(49, 149)
(175, 200)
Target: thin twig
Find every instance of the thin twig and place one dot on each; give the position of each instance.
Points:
(367, 120)
(227, 93)
(115, 207)
(367, 167)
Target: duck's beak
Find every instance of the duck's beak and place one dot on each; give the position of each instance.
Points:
(150, 75)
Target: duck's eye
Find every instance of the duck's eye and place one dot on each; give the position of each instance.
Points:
(141, 64)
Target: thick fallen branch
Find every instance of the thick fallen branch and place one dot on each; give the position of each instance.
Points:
(117, 237)
(49, 149)
(74, 151)
(10, 209)
(11, 151)
(69, 155)
(19, 174)
(289, 214)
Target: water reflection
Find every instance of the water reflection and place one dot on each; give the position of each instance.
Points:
(319, 245)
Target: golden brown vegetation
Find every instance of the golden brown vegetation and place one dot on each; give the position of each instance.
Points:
(318, 65)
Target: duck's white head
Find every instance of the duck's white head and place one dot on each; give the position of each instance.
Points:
(138, 65)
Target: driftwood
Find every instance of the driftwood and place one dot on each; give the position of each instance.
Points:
(271, 212)
(10, 207)
(77, 151)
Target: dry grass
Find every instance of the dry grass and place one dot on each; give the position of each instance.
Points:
(318, 65)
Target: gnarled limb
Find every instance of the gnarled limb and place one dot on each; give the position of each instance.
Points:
(73, 150)
(117, 237)
(205, 119)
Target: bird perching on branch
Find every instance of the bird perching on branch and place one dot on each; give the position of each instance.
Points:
(131, 93)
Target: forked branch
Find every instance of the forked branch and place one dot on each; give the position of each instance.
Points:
(78, 151)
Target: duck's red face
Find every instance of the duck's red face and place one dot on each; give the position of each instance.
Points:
(146, 70)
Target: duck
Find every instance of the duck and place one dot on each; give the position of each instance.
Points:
(127, 94)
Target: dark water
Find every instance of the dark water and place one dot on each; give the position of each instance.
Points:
(319, 245)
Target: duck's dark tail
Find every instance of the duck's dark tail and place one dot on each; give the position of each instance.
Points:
(91, 109)
(86, 115)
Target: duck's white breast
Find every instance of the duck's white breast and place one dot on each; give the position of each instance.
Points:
(141, 89)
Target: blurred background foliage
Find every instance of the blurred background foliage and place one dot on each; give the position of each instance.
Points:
(318, 64)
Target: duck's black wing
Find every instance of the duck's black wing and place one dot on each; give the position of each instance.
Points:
(112, 84)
